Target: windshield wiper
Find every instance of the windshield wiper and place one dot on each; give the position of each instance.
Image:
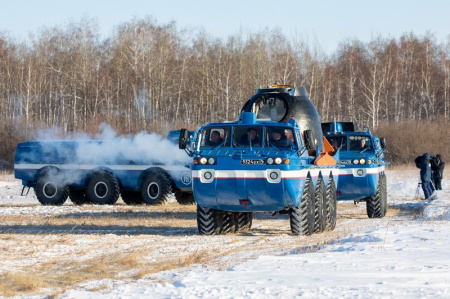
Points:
(367, 148)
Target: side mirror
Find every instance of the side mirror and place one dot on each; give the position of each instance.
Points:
(383, 143)
(308, 137)
(182, 141)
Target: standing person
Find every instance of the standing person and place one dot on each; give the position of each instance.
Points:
(425, 175)
(437, 166)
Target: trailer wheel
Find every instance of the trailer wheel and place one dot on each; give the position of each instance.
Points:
(157, 188)
(103, 188)
(245, 221)
(302, 217)
(230, 223)
(376, 205)
(185, 198)
(131, 197)
(50, 189)
(78, 197)
(331, 212)
(320, 212)
(208, 221)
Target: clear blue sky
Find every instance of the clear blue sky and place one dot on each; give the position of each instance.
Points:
(328, 21)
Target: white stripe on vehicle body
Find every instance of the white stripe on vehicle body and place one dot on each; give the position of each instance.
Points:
(90, 166)
(262, 174)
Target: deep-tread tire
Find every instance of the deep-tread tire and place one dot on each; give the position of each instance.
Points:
(131, 197)
(157, 188)
(208, 221)
(302, 217)
(103, 188)
(185, 198)
(230, 223)
(78, 197)
(50, 190)
(320, 208)
(376, 205)
(331, 210)
(245, 220)
(384, 198)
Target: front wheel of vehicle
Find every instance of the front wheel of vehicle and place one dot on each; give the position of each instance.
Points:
(302, 217)
(50, 189)
(208, 221)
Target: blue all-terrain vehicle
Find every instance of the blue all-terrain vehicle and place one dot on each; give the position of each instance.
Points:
(98, 172)
(265, 162)
(362, 173)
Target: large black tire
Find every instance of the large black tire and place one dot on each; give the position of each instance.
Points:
(208, 221)
(78, 197)
(302, 217)
(103, 188)
(50, 188)
(331, 211)
(229, 223)
(131, 197)
(157, 188)
(376, 205)
(245, 220)
(320, 208)
(185, 198)
(384, 189)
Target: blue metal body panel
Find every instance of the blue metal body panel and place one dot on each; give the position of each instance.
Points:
(357, 181)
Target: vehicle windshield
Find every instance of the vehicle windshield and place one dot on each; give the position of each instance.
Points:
(248, 136)
(279, 137)
(359, 143)
(214, 137)
(338, 142)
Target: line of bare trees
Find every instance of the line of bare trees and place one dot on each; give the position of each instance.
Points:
(153, 77)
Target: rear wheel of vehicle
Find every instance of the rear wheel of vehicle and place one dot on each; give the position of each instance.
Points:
(376, 205)
(78, 197)
(208, 221)
(50, 189)
(229, 223)
(245, 221)
(185, 198)
(156, 189)
(131, 197)
(331, 212)
(103, 188)
(320, 212)
(302, 217)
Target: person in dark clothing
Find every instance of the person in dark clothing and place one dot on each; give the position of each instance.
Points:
(425, 175)
(251, 137)
(437, 166)
(215, 139)
(278, 138)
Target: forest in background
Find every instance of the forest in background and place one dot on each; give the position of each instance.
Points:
(152, 77)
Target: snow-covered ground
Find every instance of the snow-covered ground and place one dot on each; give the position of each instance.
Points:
(404, 255)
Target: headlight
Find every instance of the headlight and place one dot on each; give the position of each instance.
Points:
(286, 161)
(269, 161)
(369, 162)
(362, 161)
(355, 161)
(211, 161)
(278, 160)
(207, 175)
(203, 160)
